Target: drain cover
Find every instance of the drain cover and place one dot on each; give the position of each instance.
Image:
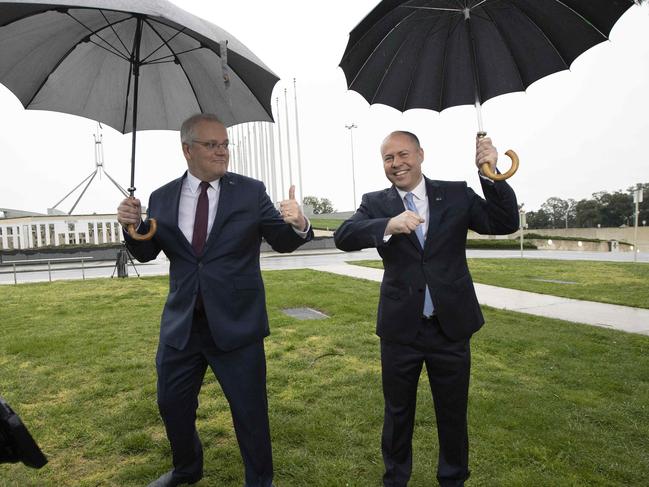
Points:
(305, 314)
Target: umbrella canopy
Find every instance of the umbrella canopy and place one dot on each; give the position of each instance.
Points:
(437, 54)
(81, 57)
(131, 65)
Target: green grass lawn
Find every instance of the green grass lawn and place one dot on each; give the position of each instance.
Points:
(622, 283)
(552, 403)
(325, 223)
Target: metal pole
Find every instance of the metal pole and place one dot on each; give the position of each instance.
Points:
(251, 165)
(83, 269)
(256, 152)
(15, 277)
(521, 224)
(260, 152)
(351, 139)
(638, 199)
(233, 153)
(474, 67)
(288, 140)
(273, 170)
(279, 143)
(299, 151)
(49, 269)
(135, 60)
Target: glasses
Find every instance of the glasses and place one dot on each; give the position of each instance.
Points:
(212, 145)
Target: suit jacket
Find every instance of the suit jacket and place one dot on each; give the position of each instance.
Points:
(453, 209)
(227, 272)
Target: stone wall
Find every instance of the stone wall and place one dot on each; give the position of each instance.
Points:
(625, 234)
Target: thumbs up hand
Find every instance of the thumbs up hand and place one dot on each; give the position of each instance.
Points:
(291, 211)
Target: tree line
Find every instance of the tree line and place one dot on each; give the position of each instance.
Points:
(604, 209)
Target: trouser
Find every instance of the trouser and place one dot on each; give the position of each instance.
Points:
(242, 376)
(448, 365)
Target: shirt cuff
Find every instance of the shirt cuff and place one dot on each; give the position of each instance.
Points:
(482, 176)
(303, 233)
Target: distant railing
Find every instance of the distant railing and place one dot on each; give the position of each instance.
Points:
(38, 265)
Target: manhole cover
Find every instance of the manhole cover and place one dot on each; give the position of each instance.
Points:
(305, 314)
(554, 281)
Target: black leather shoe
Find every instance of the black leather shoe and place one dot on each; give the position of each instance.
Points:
(168, 480)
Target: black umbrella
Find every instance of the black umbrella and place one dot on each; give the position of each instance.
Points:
(437, 54)
(16, 444)
(132, 65)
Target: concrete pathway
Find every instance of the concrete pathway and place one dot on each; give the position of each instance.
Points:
(632, 320)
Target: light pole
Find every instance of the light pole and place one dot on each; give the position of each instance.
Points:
(522, 223)
(570, 205)
(637, 199)
(351, 139)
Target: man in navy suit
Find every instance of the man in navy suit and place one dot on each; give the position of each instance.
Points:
(210, 226)
(428, 308)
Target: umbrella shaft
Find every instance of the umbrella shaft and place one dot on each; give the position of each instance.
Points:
(474, 68)
(135, 60)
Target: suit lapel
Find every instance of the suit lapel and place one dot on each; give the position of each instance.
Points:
(177, 191)
(227, 187)
(436, 205)
(396, 207)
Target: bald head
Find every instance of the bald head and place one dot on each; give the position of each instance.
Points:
(402, 158)
(413, 138)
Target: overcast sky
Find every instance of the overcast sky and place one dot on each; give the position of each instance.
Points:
(576, 132)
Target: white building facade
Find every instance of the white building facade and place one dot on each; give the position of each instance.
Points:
(30, 232)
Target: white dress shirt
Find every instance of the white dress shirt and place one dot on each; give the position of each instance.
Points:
(420, 198)
(189, 194)
(421, 202)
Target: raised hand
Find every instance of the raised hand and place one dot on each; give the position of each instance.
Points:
(406, 222)
(291, 211)
(485, 152)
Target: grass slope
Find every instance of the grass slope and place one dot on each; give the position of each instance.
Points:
(551, 403)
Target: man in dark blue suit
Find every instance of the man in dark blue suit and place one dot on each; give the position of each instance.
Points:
(428, 308)
(210, 226)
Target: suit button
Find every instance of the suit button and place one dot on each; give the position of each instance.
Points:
(200, 265)
(420, 290)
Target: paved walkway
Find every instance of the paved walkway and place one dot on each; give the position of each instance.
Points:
(632, 320)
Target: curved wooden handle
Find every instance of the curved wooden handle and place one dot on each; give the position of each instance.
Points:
(486, 168)
(153, 226)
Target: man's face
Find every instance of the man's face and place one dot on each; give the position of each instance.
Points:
(402, 160)
(206, 163)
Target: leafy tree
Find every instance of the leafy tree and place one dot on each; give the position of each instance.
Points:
(644, 206)
(319, 205)
(538, 219)
(586, 213)
(556, 209)
(606, 209)
(616, 209)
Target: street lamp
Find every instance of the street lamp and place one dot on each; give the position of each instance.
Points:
(351, 139)
(637, 199)
(522, 222)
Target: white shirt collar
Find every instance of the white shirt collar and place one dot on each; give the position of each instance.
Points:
(418, 191)
(194, 182)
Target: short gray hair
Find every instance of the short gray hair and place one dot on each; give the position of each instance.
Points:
(187, 128)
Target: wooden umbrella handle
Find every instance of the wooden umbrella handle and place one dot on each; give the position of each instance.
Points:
(486, 168)
(153, 226)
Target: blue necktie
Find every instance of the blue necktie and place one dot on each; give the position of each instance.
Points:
(428, 302)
